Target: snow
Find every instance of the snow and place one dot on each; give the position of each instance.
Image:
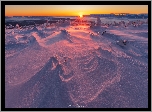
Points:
(68, 65)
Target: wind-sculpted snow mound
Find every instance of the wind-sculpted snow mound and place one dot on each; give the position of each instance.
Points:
(45, 89)
(90, 76)
(25, 63)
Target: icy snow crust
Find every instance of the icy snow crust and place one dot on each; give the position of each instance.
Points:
(70, 64)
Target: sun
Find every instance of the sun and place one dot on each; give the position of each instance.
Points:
(81, 15)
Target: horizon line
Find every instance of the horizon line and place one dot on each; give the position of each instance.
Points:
(74, 15)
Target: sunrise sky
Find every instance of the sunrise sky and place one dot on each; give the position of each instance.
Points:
(71, 10)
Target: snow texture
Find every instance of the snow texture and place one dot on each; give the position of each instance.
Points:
(77, 64)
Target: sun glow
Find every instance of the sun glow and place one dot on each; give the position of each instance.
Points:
(71, 10)
(81, 15)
